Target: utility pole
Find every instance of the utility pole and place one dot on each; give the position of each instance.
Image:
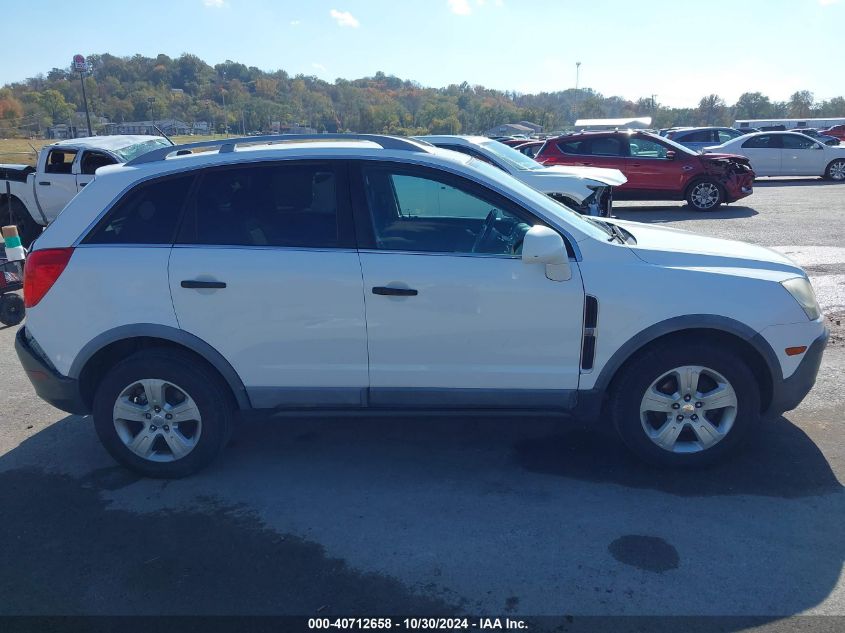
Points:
(151, 101)
(577, 78)
(80, 66)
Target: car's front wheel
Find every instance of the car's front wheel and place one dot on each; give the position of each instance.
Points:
(705, 195)
(685, 404)
(836, 170)
(162, 413)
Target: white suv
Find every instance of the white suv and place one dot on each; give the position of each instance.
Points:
(370, 272)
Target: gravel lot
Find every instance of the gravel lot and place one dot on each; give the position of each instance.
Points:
(351, 516)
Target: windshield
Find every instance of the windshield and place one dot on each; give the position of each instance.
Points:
(133, 151)
(515, 159)
(540, 201)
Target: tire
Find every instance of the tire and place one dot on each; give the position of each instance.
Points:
(12, 309)
(643, 424)
(202, 412)
(28, 229)
(705, 195)
(836, 170)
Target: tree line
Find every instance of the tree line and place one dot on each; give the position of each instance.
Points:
(235, 97)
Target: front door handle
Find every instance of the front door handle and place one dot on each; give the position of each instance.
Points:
(44, 183)
(194, 283)
(394, 292)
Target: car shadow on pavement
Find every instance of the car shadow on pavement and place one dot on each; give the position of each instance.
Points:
(796, 182)
(669, 213)
(96, 539)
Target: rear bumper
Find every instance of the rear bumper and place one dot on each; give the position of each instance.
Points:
(789, 392)
(60, 391)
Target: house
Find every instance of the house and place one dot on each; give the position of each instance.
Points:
(510, 129)
(537, 128)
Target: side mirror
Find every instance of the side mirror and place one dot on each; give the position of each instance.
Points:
(542, 245)
(670, 154)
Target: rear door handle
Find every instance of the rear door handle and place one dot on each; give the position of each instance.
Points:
(394, 292)
(193, 283)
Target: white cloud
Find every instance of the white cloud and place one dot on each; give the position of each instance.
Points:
(344, 18)
(317, 66)
(215, 4)
(295, 22)
(460, 7)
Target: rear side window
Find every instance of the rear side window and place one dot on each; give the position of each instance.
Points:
(148, 214)
(764, 141)
(273, 205)
(606, 146)
(573, 147)
(60, 161)
(699, 136)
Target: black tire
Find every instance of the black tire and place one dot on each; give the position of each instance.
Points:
(836, 170)
(210, 393)
(12, 309)
(636, 378)
(694, 197)
(28, 229)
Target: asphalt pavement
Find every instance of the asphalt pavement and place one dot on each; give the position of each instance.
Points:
(445, 515)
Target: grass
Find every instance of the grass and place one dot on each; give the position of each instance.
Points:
(19, 150)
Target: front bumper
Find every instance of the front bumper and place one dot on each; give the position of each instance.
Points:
(60, 391)
(789, 392)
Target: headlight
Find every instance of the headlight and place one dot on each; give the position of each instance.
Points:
(802, 292)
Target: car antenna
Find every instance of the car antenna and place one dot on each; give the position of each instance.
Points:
(158, 129)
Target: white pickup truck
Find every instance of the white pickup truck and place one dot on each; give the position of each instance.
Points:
(31, 198)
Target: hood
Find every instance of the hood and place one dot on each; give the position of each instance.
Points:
(712, 153)
(677, 248)
(612, 177)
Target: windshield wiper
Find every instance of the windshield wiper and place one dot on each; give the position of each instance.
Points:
(616, 232)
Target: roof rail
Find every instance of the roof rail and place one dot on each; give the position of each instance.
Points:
(227, 145)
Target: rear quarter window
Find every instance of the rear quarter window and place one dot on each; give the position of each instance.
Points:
(147, 214)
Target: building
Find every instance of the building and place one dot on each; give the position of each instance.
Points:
(630, 123)
(510, 129)
(170, 127)
(537, 128)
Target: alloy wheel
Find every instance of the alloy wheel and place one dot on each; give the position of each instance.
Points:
(705, 195)
(688, 409)
(837, 170)
(157, 420)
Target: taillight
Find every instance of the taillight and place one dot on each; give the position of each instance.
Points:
(41, 271)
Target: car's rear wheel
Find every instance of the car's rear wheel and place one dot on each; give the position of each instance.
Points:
(162, 413)
(705, 195)
(685, 404)
(836, 170)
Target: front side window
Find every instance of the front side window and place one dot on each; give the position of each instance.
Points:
(60, 161)
(92, 161)
(412, 211)
(727, 135)
(797, 141)
(149, 214)
(646, 148)
(271, 205)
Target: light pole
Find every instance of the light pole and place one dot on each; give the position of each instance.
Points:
(151, 101)
(577, 78)
(81, 67)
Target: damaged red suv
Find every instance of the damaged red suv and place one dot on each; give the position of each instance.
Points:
(656, 168)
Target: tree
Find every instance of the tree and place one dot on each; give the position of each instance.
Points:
(54, 105)
(711, 110)
(800, 104)
(753, 105)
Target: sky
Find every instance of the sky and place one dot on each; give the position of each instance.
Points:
(677, 50)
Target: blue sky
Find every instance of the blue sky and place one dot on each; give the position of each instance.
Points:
(678, 50)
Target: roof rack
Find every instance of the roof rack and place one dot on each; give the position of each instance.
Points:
(227, 145)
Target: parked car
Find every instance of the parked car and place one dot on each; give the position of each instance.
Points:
(837, 131)
(657, 168)
(787, 154)
(818, 136)
(584, 189)
(63, 168)
(698, 138)
(530, 148)
(327, 274)
(513, 141)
